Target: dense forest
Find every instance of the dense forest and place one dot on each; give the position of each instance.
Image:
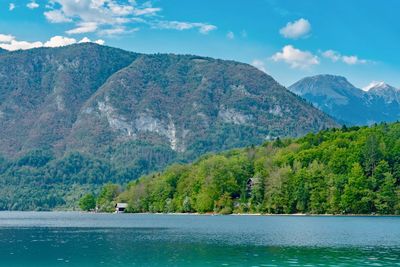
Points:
(39, 180)
(338, 171)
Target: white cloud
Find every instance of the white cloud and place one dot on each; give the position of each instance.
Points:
(93, 15)
(56, 16)
(111, 32)
(259, 64)
(180, 26)
(32, 5)
(351, 60)
(296, 58)
(296, 29)
(175, 25)
(332, 55)
(230, 35)
(120, 10)
(84, 27)
(111, 17)
(100, 42)
(99, 11)
(146, 11)
(335, 56)
(117, 31)
(56, 41)
(20, 45)
(205, 28)
(87, 40)
(6, 38)
(11, 6)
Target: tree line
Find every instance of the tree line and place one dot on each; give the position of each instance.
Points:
(338, 171)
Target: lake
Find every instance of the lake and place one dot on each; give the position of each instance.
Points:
(78, 239)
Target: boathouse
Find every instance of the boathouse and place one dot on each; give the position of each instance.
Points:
(120, 207)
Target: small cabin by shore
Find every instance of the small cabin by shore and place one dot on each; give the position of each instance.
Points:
(120, 207)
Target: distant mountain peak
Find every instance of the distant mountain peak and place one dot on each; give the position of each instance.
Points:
(378, 85)
(335, 87)
(336, 96)
(328, 78)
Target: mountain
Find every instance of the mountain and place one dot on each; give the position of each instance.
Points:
(87, 114)
(382, 90)
(43, 90)
(88, 97)
(350, 105)
(351, 170)
(192, 104)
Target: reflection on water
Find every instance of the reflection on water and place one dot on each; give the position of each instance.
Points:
(73, 239)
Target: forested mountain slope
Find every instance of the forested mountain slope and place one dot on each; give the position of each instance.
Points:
(339, 171)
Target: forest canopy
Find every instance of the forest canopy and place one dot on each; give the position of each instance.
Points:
(338, 171)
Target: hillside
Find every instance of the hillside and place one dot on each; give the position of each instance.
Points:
(347, 171)
(192, 105)
(130, 114)
(350, 105)
(43, 90)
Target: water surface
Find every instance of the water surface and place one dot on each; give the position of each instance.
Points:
(78, 239)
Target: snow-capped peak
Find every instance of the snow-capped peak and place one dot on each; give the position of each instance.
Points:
(377, 85)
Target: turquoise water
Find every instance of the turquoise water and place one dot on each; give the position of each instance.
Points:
(75, 239)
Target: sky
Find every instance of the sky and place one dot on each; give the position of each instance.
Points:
(288, 39)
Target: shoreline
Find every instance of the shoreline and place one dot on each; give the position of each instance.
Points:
(210, 214)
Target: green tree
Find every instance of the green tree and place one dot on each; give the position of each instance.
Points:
(204, 201)
(386, 196)
(107, 197)
(224, 204)
(87, 202)
(357, 197)
(371, 154)
(317, 179)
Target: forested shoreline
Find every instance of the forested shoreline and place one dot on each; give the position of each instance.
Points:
(338, 171)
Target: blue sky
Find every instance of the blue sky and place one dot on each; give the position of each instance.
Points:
(287, 39)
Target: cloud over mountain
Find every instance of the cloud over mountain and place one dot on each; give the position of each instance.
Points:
(296, 58)
(10, 43)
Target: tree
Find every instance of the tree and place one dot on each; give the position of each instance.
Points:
(318, 187)
(87, 202)
(386, 198)
(204, 201)
(224, 205)
(357, 196)
(371, 154)
(106, 199)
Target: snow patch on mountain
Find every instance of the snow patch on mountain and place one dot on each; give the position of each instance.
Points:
(378, 85)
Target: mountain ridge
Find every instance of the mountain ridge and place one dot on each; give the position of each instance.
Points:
(61, 84)
(336, 96)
